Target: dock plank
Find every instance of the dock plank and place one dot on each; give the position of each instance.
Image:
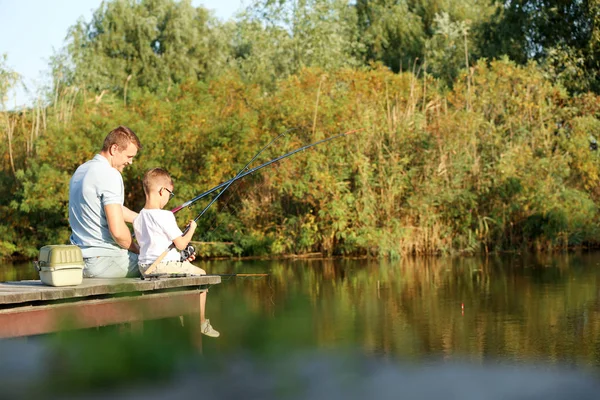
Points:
(34, 290)
(35, 320)
(19, 297)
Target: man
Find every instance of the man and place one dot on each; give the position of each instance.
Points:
(96, 212)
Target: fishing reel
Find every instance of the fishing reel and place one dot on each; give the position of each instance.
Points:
(187, 252)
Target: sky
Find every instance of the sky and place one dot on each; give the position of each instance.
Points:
(32, 30)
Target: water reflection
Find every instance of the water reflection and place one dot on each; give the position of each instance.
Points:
(516, 309)
(17, 272)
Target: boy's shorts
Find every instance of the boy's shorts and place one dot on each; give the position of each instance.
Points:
(174, 267)
(115, 266)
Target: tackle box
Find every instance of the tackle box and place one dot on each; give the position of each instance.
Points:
(60, 265)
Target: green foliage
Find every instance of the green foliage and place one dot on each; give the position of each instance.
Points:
(447, 49)
(407, 34)
(148, 44)
(275, 39)
(8, 80)
(498, 163)
(563, 35)
(391, 31)
(493, 157)
(138, 358)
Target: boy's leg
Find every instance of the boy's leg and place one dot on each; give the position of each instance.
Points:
(205, 326)
(185, 267)
(192, 269)
(178, 267)
(202, 306)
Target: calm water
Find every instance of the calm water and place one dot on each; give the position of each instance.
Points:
(518, 310)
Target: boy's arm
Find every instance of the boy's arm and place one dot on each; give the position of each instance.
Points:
(118, 229)
(129, 215)
(181, 242)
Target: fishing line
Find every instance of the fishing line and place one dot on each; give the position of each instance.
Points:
(232, 194)
(251, 171)
(235, 211)
(238, 175)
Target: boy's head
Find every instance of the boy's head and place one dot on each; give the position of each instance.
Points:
(156, 182)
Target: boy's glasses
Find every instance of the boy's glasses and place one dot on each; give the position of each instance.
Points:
(171, 194)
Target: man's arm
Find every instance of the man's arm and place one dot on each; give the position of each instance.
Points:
(118, 229)
(129, 215)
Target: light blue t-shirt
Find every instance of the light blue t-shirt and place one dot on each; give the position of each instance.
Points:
(92, 186)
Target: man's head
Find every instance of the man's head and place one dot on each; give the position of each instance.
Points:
(120, 146)
(158, 183)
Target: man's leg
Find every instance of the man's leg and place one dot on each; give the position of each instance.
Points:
(133, 270)
(119, 266)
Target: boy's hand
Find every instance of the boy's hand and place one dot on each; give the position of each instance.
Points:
(192, 225)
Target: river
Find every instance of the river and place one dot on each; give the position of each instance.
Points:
(522, 311)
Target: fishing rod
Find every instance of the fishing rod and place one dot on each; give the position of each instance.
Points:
(240, 175)
(188, 251)
(182, 275)
(251, 171)
(191, 251)
(237, 176)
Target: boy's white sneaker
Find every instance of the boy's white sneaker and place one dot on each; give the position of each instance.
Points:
(208, 330)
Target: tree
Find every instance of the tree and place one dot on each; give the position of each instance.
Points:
(447, 51)
(391, 32)
(564, 36)
(8, 80)
(277, 38)
(147, 43)
(398, 32)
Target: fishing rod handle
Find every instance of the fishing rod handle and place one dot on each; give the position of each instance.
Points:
(153, 266)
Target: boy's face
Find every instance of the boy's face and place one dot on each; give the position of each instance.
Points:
(165, 192)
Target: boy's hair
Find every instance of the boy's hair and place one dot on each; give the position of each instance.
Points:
(121, 136)
(156, 177)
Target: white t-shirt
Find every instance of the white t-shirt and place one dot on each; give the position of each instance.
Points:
(155, 230)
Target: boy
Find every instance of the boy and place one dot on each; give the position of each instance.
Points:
(155, 230)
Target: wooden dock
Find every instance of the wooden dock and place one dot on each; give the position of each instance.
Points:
(31, 308)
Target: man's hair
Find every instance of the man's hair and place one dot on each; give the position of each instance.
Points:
(121, 136)
(156, 177)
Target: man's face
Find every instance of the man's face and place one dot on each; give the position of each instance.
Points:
(120, 159)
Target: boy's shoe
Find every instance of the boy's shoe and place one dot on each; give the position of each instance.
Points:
(208, 330)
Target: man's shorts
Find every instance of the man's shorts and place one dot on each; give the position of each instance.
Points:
(117, 266)
(174, 267)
